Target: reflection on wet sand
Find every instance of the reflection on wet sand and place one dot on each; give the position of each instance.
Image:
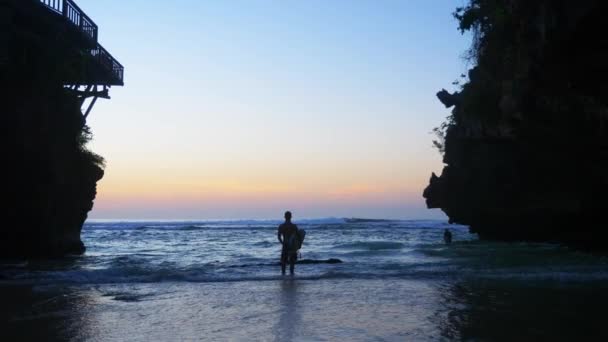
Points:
(477, 309)
(44, 314)
(290, 311)
(296, 309)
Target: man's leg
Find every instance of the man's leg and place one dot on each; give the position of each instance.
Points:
(283, 261)
(292, 262)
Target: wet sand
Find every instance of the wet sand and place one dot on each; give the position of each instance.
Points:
(302, 310)
(285, 310)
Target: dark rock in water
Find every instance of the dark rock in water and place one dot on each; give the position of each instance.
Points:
(49, 176)
(326, 261)
(303, 261)
(526, 146)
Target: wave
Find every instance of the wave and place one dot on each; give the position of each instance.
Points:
(99, 277)
(372, 245)
(321, 224)
(299, 262)
(199, 224)
(265, 244)
(364, 220)
(128, 270)
(135, 269)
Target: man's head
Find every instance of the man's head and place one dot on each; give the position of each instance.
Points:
(288, 216)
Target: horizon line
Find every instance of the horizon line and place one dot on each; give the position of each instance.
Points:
(255, 219)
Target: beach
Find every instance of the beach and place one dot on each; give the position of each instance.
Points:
(397, 282)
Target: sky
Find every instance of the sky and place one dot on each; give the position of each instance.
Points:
(245, 109)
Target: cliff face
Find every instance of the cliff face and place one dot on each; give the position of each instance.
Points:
(49, 177)
(526, 146)
(50, 180)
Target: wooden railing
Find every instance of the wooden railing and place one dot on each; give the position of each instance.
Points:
(56, 5)
(110, 63)
(73, 14)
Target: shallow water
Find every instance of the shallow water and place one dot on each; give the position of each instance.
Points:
(219, 280)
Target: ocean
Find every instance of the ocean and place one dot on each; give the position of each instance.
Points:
(358, 280)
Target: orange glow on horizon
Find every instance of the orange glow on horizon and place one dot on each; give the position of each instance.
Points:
(187, 185)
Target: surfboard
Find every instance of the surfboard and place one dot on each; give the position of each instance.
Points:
(301, 234)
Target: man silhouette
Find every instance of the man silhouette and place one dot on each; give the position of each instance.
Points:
(288, 236)
(447, 236)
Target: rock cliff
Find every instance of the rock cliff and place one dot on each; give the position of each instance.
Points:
(48, 176)
(526, 146)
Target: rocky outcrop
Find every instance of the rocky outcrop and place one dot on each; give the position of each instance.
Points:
(48, 176)
(526, 146)
(50, 179)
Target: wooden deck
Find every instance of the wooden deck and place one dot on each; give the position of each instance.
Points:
(106, 70)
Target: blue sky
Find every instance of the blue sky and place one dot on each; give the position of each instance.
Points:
(240, 109)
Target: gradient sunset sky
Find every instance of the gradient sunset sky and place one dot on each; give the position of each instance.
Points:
(243, 109)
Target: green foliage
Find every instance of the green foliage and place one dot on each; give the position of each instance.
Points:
(83, 139)
(440, 134)
(494, 28)
(481, 15)
(482, 18)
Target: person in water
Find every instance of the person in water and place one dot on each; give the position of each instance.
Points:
(288, 236)
(447, 236)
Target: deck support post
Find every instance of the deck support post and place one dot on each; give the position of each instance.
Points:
(85, 94)
(86, 114)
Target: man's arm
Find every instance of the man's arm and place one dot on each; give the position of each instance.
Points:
(279, 236)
